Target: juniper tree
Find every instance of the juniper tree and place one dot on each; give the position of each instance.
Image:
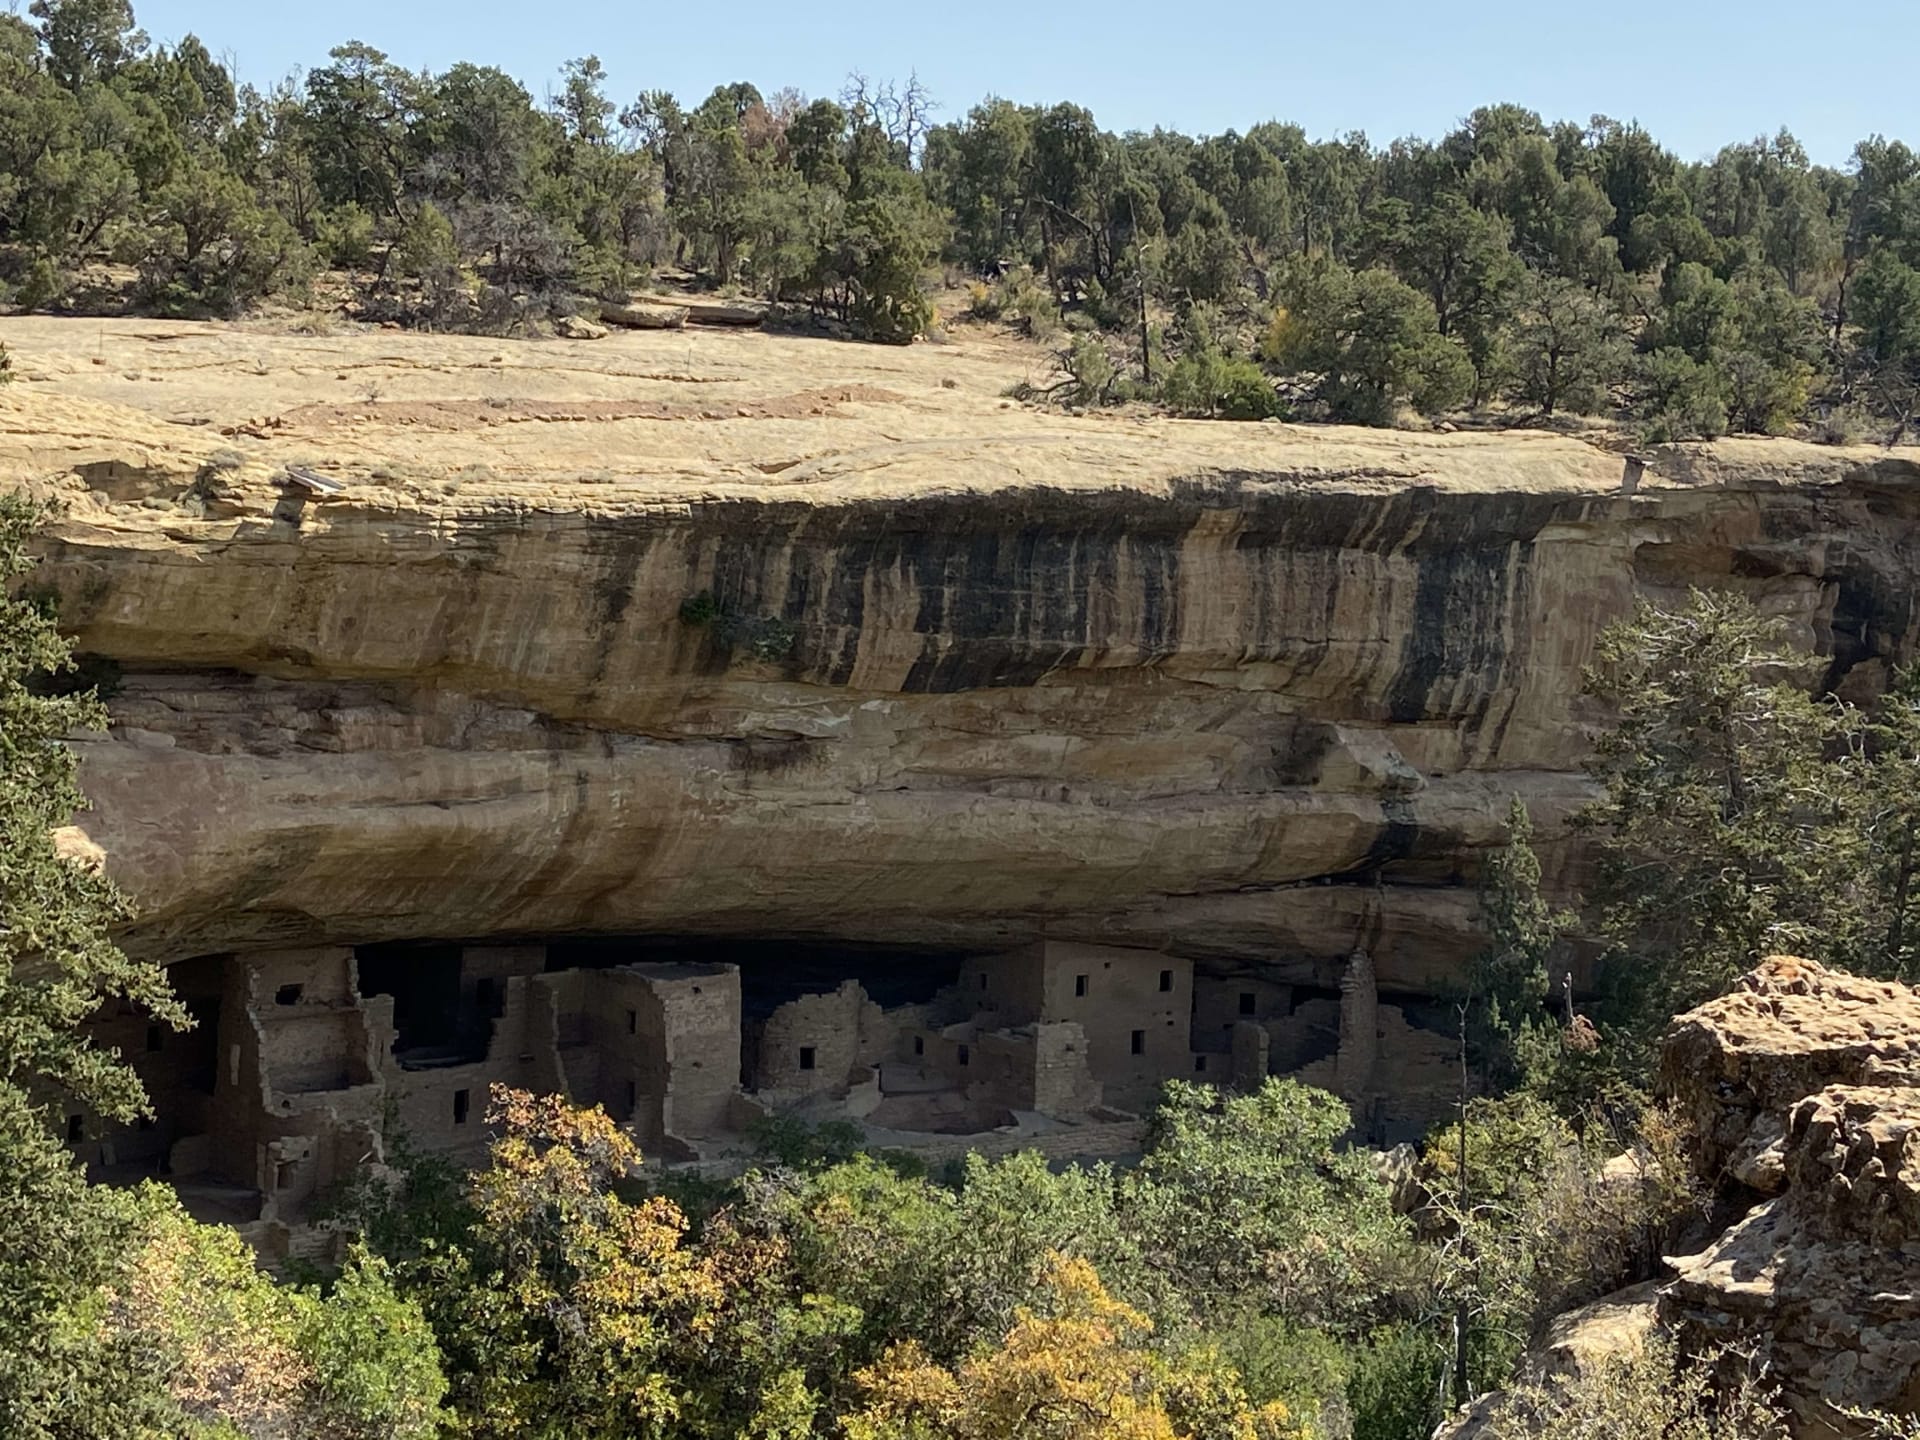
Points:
(58, 963)
(1724, 831)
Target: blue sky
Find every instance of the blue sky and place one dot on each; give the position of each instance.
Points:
(1698, 73)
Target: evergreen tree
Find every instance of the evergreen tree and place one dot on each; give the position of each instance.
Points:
(1722, 829)
(1509, 983)
(58, 964)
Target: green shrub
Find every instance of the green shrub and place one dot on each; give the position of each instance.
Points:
(344, 236)
(1210, 385)
(376, 1368)
(701, 609)
(1393, 1387)
(1643, 1395)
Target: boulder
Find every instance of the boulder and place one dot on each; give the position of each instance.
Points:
(1737, 1065)
(1576, 1345)
(1806, 1082)
(721, 312)
(578, 327)
(644, 317)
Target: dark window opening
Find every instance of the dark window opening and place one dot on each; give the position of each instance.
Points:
(1199, 1064)
(983, 982)
(153, 1037)
(633, 1022)
(633, 1096)
(461, 1099)
(964, 1055)
(1249, 1002)
(1139, 1042)
(288, 994)
(919, 1045)
(1166, 981)
(76, 1129)
(1079, 984)
(440, 1016)
(806, 1057)
(483, 996)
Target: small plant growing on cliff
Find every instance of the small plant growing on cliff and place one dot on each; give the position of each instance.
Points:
(701, 609)
(6, 365)
(767, 638)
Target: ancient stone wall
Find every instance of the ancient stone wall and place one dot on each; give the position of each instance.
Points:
(1221, 1002)
(1359, 1051)
(297, 1098)
(1135, 1007)
(689, 1061)
(813, 1044)
(1040, 1068)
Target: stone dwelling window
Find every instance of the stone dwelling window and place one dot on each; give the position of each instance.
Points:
(1199, 1064)
(633, 1022)
(806, 1057)
(288, 994)
(1166, 981)
(1139, 1042)
(76, 1129)
(1079, 985)
(983, 981)
(965, 1056)
(919, 1045)
(633, 1096)
(153, 1037)
(483, 995)
(1248, 1001)
(461, 1100)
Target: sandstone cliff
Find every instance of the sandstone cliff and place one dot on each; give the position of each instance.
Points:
(967, 672)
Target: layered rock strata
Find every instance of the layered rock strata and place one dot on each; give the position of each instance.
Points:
(735, 635)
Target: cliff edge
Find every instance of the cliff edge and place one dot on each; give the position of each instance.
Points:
(736, 634)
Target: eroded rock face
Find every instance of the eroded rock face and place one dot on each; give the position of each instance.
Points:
(1739, 1065)
(1821, 1282)
(964, 674)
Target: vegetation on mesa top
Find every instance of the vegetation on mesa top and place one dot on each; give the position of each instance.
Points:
(1547, 268)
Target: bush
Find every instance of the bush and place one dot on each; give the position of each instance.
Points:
(424, 251)
(1680, 398)
(375, 1366)
(1253, 1199)
(1213, 386)
(1019, 299)
(344, 236)
(1393, 1389)
(1644, 1395)
(1372, 340)
(213, 249)
(701, 609)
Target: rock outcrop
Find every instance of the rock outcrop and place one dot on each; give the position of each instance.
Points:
(1806, 1083)
(740, 634)
(1791, 1028)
